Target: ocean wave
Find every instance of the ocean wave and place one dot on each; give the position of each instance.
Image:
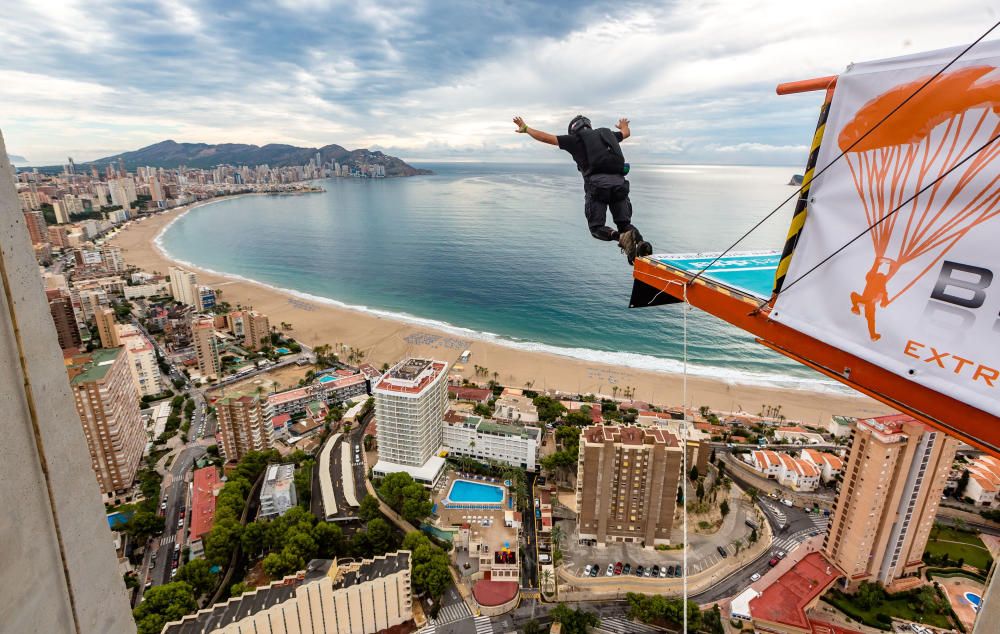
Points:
(631, 360)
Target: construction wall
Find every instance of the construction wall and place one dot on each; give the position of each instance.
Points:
(59, 570)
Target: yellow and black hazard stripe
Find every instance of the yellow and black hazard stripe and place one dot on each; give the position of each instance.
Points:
(801, 206)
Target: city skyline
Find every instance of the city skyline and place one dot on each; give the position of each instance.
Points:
(696, 82)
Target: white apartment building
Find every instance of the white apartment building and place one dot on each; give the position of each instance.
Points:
(984, 481)
(797, 435)
(515, 408)
(410, 401)
(794, 473)
(142, 360)
(482, 439)
(828, 464)
(277, 495)
(184, 286)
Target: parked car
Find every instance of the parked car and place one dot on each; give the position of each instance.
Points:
(626, 569)
(722, 552)
(655, 570)
(618, 568)
(639, 570)
(755, 576)
(788, 503)
(611, 570)
(773, 562)
(669, 571)
(586, 571)
(648, 573)
(593, 571)
(780, 554)
(545, 559)
(678, 569)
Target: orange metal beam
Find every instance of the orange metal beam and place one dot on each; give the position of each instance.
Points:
(806, 85)
(951, 416)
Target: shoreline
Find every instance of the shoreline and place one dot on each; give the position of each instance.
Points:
(386, 337)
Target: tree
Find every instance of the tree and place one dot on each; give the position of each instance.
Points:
(547, 581)
(869, 595)
(549, 409)
(239, 588)
(701, 490)
(144, 524)
(162, 604)
(963, 481)
(278, 565)
(369, 509)
(430, 565)
(693, 474)
(531, 627)
(574, 621)
(406, 497)
(221, 541)
(197, 573)
(379, 535)
(724, 508)
(254, 538)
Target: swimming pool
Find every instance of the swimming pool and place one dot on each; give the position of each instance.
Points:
(469, 494)
(974, 599)
(326, 379)
(282, 350)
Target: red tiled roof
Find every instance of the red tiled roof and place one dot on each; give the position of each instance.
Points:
(280, 420)
(785, 600)
(206, 482)
(489, 592)
(478, 394)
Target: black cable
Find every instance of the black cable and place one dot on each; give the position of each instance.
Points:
(883, 218)
(839, 156)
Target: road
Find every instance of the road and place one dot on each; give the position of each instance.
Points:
(176, 497)
(529, 542)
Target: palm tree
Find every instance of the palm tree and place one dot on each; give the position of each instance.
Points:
(547, 580)
(614, 391)
(556, 536)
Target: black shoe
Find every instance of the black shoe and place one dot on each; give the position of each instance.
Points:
(633, 246)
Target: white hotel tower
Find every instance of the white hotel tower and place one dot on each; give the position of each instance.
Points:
(410, 401)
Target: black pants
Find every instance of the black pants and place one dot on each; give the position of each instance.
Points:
(597, 210)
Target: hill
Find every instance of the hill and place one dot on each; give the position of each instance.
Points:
(170, 154)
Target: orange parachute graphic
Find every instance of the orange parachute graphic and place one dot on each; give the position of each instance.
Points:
(950, 118)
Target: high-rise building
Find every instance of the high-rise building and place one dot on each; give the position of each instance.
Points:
(206, 347)
(111, 258)
(627, 480)
(366, 597)
(37, 229)
(410, 401)
(61, 212)
(123, 192)
(205, 296)
(255, 327)
(242, 425)
(64, 318)
(107, 327)
(60, 573)
(184, 286)
(108, 405)
(896, 471)
(142, 360)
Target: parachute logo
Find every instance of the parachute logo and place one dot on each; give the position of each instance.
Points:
(948, 120)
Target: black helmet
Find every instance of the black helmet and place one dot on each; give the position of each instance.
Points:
(578, 123)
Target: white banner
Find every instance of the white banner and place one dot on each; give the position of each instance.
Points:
(919, 294)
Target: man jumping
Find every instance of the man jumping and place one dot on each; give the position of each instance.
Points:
(599, 158)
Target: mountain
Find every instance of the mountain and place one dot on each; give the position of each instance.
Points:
(170, 154)
(17, 159)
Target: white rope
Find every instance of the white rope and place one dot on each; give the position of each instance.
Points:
(684, 474)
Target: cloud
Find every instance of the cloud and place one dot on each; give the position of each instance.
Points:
(442, 79)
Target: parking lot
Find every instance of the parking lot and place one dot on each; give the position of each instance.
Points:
(703, 554)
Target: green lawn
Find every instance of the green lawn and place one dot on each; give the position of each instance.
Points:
(959, 544)
(897, 607)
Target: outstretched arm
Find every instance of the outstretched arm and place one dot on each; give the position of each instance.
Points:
(623, 126)
(537, 135)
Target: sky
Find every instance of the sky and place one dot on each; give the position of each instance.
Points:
(435, 81)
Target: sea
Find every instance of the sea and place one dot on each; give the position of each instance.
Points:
(502, 253)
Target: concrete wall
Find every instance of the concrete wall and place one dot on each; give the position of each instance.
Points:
(59, 570)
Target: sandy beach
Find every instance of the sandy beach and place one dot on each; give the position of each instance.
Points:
(386, 340)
